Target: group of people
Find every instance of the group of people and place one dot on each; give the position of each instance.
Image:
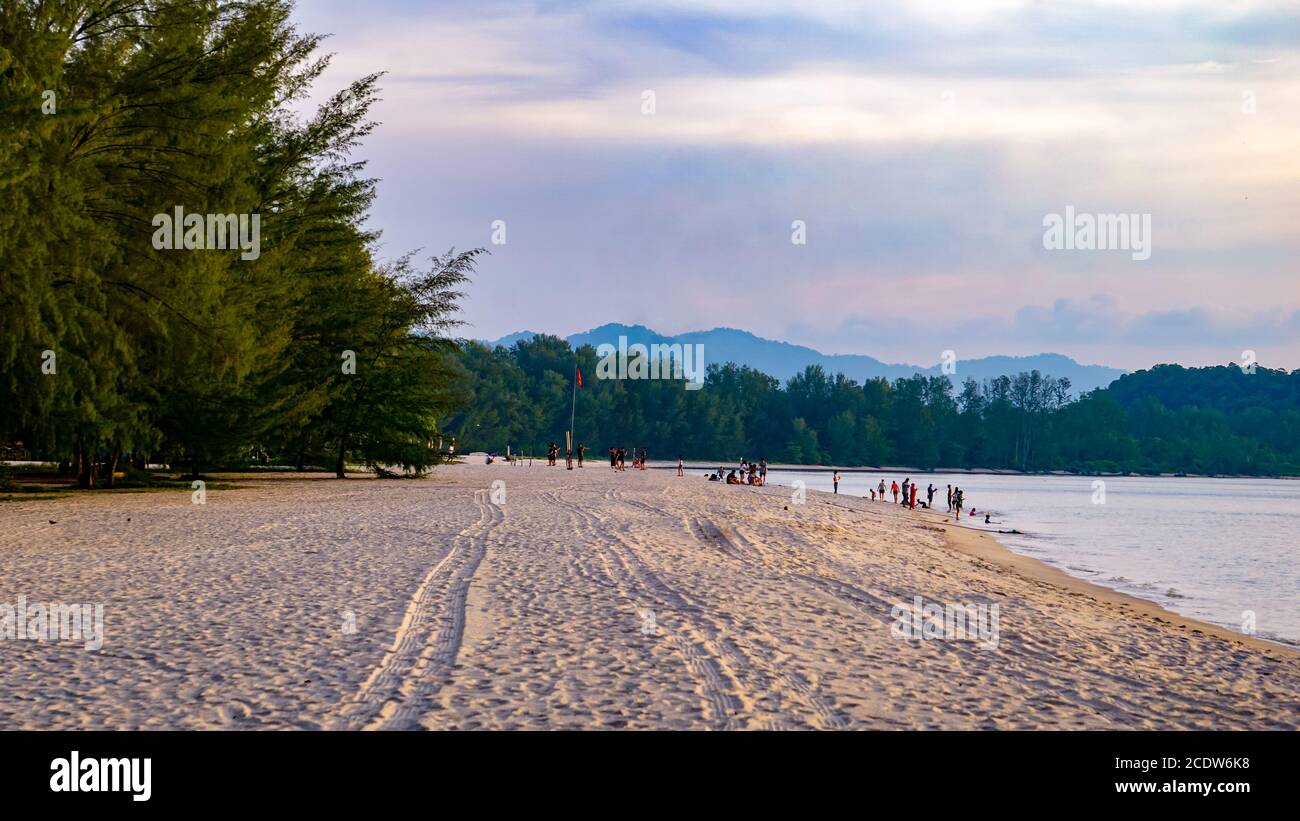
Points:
(749, 473)
(553, 452)
(909, 490)
(906, 494)
(618, 458)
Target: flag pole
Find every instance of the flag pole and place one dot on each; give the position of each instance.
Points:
(573, 409)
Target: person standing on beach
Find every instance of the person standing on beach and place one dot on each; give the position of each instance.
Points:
(873, 494)
(762, 468)
(582, 449)
(907, 483)
(568, 458)
(893, 488)
(950, 497)
(913, 504)
(882, 490)
(836, 480)
(681, 468)
(929, 496)
(956, 504)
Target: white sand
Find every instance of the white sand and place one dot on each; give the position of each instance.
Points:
(532, 614)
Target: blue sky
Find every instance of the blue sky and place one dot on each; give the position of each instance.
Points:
(922, 144)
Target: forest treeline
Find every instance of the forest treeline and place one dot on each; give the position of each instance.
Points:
(1169, 419)
(117, 348)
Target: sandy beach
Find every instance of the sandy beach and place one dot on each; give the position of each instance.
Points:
(583, 599)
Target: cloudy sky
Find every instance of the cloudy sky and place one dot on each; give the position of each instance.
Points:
(922, 144)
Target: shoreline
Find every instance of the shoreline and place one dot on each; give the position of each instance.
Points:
(973, 541)
(655, 464)
(986, 546)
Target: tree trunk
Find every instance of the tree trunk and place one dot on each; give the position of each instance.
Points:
(302, 461)
(109, 478)
(194, 468)
(339, 472)
(86, 474)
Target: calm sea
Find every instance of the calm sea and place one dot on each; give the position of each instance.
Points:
(1213, 549)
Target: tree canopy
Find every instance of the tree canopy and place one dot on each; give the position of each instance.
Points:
(113, 344)
(1165, 420)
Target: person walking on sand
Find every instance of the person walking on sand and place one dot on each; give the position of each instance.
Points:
(893, 488)
(873, 494)
(681, 468)
(836, 480)
(881, 489)
(907, 484)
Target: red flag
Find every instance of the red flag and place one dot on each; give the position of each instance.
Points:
(579, 377)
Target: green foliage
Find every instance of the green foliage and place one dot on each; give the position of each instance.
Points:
(197, 356)
(1169, 419)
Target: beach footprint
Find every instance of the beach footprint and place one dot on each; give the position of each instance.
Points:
(235, 712)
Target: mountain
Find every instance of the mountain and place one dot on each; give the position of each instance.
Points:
(783, 359)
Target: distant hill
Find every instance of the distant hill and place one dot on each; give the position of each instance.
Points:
(783, 360)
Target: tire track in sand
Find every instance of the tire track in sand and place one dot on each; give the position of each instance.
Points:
(429, 638)
(719, 687)
(735, 544)
(772, 680)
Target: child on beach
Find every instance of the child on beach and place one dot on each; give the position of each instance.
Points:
(680, 467)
